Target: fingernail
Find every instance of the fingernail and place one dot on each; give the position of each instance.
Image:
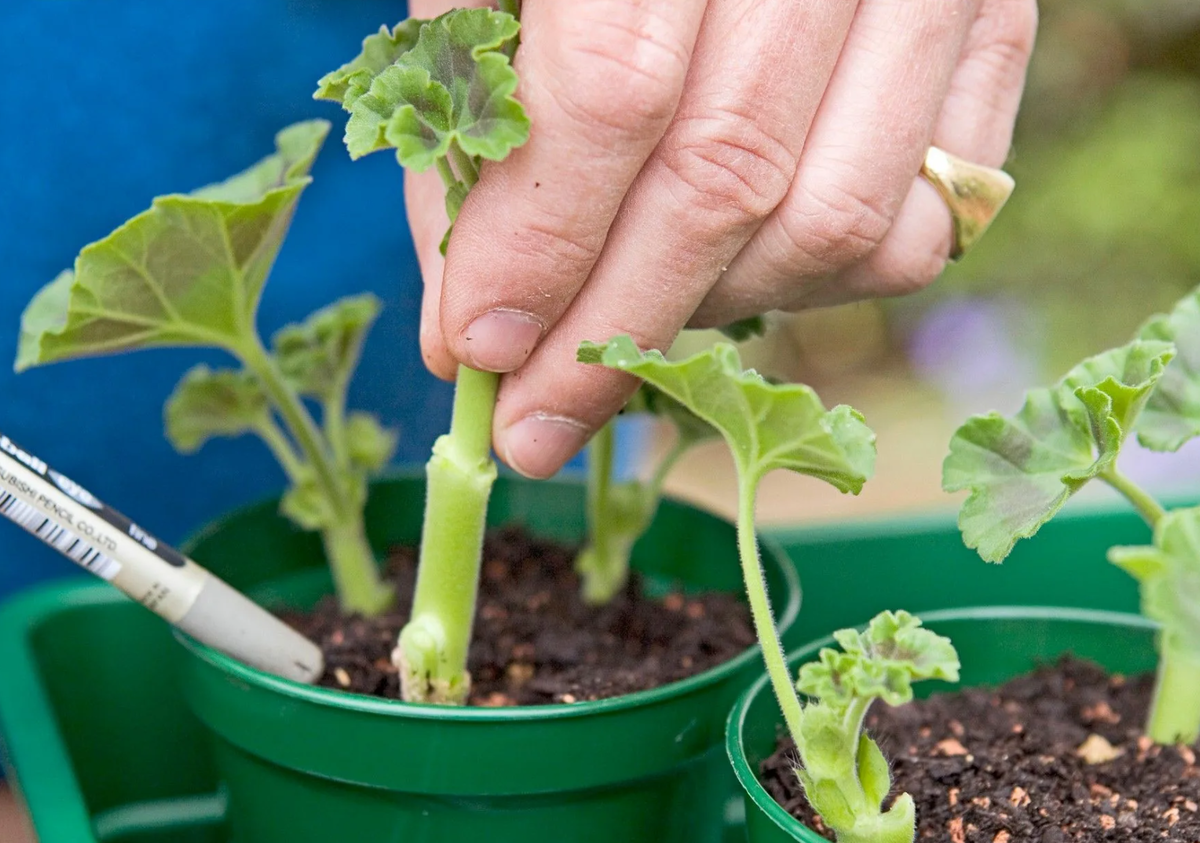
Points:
(540, 444)
(501, 340)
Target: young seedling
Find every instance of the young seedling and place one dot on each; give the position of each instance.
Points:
(844, 774)
(619, 513)
(439, 93)
(190, 272)
(1022, 469)
(769, 426)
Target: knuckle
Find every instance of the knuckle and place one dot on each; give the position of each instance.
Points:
(729, 164)
(833, 226)
(568, 253)
(627, 74)
(1004, 41)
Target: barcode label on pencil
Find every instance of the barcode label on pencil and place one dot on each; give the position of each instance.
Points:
(25, 515)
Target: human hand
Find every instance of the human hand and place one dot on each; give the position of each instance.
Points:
(694, 162)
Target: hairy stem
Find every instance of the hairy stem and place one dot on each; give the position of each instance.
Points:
(449, 179)
(352, 561)
(602, 565)
(760, 608)
(432, 654)
(1175, 709)
(1147, 506)
(354, 564)
(465, 165)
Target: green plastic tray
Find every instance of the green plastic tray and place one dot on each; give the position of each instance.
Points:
(89, 677)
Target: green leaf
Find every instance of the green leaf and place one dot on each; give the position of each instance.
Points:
(880, 662)
(379, 52)
(1020, 470)
(766, 426)
(187, 272)
(306, 505)
(209, 403)
(454, 86)
(370, 444)
(319, 355)
(1172, 415)
(745, 329)
(1169, 575)
(873, 772)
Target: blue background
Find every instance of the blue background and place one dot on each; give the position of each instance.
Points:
(107, 104)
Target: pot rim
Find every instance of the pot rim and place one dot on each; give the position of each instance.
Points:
(734, 726)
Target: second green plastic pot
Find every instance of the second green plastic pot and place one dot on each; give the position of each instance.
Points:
(305, 764)
(995, 644)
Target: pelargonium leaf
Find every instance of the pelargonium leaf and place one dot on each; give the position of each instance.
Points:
(379, 52)
(1021, 469)
(370, 444)
(881, 662)
(319, 355)
(188, 272)
(208, 403)
(767, 426)
(1169, 574)
(454, 86)
(1172, 415)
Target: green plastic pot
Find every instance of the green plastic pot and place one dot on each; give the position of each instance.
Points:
(995, 644)
(311, 764)
(75, 655)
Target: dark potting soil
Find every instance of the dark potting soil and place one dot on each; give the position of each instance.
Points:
(535, 640)
(1025, 763)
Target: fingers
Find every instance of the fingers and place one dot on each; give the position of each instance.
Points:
(870, 135)
(723, 165)
(600, 80)
(976, 124)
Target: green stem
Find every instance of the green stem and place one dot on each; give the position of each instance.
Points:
(603, 565)
(432, 655)
(1146, 505)
(449, 180)
(659, 478)
(1175, 708)
(465, 165)
(355, 572)
(282, 449)
(351, 558)
(760, 608)
(333, 417)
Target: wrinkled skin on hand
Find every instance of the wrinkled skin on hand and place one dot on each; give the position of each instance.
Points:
(694, 162)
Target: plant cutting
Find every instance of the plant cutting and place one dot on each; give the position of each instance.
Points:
(190, 271)
(440, 94)
(766, 426)
(843, 771)
(769, 426)
(1022, 469)
(620, 512)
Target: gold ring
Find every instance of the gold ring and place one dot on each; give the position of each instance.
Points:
(974, 194)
